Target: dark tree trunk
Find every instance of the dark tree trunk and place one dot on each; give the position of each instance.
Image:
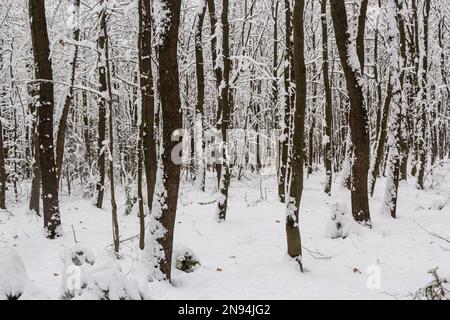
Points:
(101, 110)
(199, 126)
(294, 247)
(225, 178)
(375, 173)
(115, 222)
(43, 72)
(171, 122)
(62, 127)
(357, 116)
(35, 195)
(147, 98)
(361, 32)
(328, 102)
(2, 150)
(287, 105)
(424, 103)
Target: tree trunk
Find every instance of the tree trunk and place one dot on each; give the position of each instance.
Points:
(375, 172)
(424, 102)
(2, 150)
(147, 99)
(287, 105)
(294, 247)
(390, 200)
(225, 118)
(159, 239)
(199, 126)
(35, 195)
(360, 34)
(62, 127)
(43, 72)
(115, 222)
(328, 101)
(101, 110)
(357, 116)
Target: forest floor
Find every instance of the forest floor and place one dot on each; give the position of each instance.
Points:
(244, 257)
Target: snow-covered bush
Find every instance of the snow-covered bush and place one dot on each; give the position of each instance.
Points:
(435, 290)
(340, 222)
(84, 278)
(14, 281)
(79, 255)
(185, 259)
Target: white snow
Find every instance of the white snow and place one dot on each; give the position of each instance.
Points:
(244, 257)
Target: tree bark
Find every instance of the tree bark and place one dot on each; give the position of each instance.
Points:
(424, 103)
(288, 97)
(62, 126)
(225, 178)
(159, 239)
(357, 116)
(199, 126)
(294, 247)
(328, 152)
(44, 77)
(101, 110)
(147, 99)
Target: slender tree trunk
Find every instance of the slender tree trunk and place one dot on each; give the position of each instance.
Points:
(390, 200)
(424, 103)
(218, 73)
(287, 105)
(404, 128)
(115, 222)
(225, 118)
(43, 72)
(328, 101)
(101, 109)
(294, 247)
(2, 150)
(62, 127)
(148, 102)
(140, 159)
(375, 172)
(199, 109)
(357, 117)
(35, 195)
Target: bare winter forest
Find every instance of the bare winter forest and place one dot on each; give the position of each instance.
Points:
(224, 149)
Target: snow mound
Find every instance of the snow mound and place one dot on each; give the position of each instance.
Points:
(14, 281)
(340, 223)
(185, 259)
(86, 279)
(78, 255)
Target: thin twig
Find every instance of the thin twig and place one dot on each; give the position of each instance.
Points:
(74, 235)
(434, 234)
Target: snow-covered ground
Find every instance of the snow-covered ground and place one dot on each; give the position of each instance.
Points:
(244, 257)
